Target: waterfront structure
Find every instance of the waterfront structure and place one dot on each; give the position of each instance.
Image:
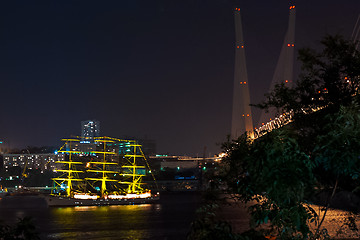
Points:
(179, 162)
(182, 173)
(241, 112)
(89, 130)
(180, 165)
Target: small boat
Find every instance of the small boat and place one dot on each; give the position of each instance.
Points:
(100, 171)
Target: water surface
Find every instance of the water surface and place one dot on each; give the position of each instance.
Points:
(168, 219)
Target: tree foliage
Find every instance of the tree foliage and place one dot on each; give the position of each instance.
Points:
(278, 178)
(280, 172)
(23, 230)
(207, 227)
(329, 78)
(338, 150)
(275, 176)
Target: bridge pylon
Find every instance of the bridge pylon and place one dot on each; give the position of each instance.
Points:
(241, 112)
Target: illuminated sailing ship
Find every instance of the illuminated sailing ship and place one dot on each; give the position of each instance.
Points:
(101, 171)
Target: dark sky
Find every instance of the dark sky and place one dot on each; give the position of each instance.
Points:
(157, 69)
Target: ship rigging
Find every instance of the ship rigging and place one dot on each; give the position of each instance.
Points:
(99, 171)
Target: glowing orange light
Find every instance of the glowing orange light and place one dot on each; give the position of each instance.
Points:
(286, 81)
(345, 78)
(237, 46)
(242, 46)
(288, 44)
(262, 123)
(319, 92)
(247, 115)
(270, 119)
(244, 82)
(240, 82)
(243, 115)
(292, 45)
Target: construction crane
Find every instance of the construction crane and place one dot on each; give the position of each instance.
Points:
(24, 174)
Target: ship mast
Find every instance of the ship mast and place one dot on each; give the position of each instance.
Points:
(133, 171)
(70, 173)
(102, 166)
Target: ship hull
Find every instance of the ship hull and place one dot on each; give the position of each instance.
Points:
(56, 201)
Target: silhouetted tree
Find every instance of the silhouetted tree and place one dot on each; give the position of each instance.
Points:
(23, 230)
(281, 171)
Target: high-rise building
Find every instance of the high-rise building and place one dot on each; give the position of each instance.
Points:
(89, 130)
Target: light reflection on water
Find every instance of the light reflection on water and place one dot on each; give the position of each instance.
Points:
(122, 222)
(103, 235)
(334, 220)
(169, 219)
(237, 215)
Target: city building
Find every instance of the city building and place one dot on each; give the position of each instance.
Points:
(148, 146)
(89, 130)
(42, 161)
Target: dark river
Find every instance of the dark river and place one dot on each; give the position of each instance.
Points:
(168, 219)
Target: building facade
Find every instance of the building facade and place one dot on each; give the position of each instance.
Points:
(42, 161)
(89, 130)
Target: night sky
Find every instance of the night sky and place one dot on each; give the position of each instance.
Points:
(161, 70)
